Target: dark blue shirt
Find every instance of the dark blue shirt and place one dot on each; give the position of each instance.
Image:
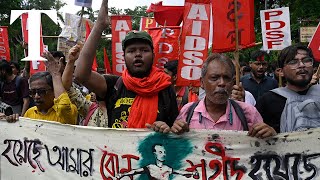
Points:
(258, 89)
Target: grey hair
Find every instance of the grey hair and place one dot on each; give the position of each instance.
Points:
(217, 57)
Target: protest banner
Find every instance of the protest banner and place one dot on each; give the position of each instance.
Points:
(120, 26)
(83, 3)
(315, 44)
(306, 33)
(71, 33)
(35, 65)
(224, 29)
(4, 43)
(194, 42)
(34, 149)
(146, 23)
(275, 27)
(166, 44)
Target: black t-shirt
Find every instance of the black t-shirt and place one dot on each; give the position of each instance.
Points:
(119, 103)
(270, 105)
(9, 92)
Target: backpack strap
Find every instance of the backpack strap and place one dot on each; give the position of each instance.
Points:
(240, 114)
(185, 96)
(190, 111)
(284, 92)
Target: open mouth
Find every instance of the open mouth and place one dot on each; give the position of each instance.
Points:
(138, 63)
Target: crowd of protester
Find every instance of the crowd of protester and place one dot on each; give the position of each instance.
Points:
(147, 97)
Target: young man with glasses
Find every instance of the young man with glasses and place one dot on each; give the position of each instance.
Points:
(50, 98)
(257, 83)
(294, 107)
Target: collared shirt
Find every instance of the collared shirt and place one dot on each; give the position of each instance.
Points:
(258, 89)
(202, 120)
(62, 111)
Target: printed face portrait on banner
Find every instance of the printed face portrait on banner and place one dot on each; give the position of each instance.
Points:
(37, 153)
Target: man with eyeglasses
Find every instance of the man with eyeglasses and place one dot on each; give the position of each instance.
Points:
(50, 98)
(257, 83)
(296, 106)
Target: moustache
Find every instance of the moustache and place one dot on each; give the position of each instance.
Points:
(221, 91)
(302, 72)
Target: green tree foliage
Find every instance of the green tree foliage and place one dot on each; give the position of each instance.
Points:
(89, 14)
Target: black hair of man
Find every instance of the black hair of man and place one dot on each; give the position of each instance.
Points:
(15, 65)
(153, 147)
(59, 54)
(42, 75)
(217, 57)
(172, 66)
(4, 65)
(289, 53)
(256, 55)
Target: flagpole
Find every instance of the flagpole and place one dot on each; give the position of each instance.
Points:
(236, 53)
(79, 25)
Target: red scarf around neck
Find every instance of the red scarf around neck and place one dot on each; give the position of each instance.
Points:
(144, 108)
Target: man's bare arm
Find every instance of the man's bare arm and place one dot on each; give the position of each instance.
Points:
(83, 74)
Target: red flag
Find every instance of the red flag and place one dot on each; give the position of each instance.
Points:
(166, 15)
(106, 62)
(4, 43)
(224, 37)
(94, 65)
(194, 42)
(146, 23)
(120, 26)
(166, 44)
(35, 65)
(315, 44)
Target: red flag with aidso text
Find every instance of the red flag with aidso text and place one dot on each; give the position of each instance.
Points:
(35, 65)
(88, 30)
(166, 44)
(106, 62)
(4, 43)
(146, 23)
(315, 44)
(224, 34)
(120, 26)
(194, 42)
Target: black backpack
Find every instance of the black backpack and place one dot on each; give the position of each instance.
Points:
(235, 105)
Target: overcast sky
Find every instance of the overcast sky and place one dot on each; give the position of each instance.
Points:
(122, 4)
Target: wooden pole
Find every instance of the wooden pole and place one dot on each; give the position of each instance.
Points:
(79, 25)
(318, 71)
(236, 53)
